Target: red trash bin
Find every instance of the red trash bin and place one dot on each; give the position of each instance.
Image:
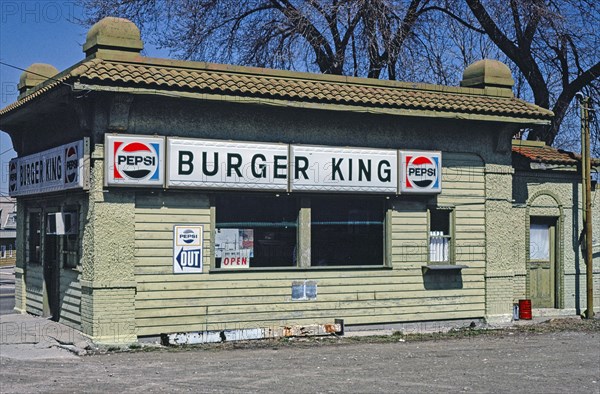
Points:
(525, 309)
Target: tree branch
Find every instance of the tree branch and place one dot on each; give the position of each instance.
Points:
(453, 16)
(324, 53)
(492, 30)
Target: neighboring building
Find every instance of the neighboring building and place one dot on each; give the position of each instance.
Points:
(158, 196)
(547, 194)
(8, 227)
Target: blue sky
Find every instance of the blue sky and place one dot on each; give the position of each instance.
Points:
(37, 32)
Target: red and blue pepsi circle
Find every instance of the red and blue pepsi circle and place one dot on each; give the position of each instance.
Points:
(422, 173)
(136, 161)
(71, 164)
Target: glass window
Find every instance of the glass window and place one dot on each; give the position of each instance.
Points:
(255, 231)
(347, 231)
(34, 246)
(11, 220)
(440, 236)
(539, 241)
(71, 239)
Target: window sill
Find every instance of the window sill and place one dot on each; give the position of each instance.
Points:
(301, 269)
(442, 267)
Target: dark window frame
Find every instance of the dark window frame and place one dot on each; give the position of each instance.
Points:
(450, 211)
(375, 205)
(71, 259)
(271, 238)
(40, 229)
(304, 230)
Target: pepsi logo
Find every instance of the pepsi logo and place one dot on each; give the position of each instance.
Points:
(188, 236)
(422, 172)
(12, 176)
(136, 161)
(72, 164)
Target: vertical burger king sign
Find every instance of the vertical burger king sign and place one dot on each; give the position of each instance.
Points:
(65, 167)
(420, 172)
(134, 160)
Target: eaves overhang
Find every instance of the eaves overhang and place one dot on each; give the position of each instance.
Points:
(207, 81)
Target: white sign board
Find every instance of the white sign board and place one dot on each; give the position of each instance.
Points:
(420, 172)
(187, 249)
(134, 160)
(236, 165)
(227, 165)
(56, 169)
(324, 168)
(235, 247)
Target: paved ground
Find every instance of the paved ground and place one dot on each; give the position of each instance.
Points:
(533, 362)
(560, 356)
(7, 290)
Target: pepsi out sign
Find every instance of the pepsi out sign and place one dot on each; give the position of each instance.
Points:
(421, 172)
(53, 170)
(134, 160)
(187, 249)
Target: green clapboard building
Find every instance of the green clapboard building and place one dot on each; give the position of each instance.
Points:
(158, 196)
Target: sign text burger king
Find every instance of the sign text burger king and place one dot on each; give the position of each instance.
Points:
(53, 170)
(186, 163)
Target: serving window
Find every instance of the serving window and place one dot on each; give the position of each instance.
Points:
(255, 231)
(269, 231)
(441, 239)
(347, 231)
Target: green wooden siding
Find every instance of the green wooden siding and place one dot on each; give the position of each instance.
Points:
(70, 298)
(229, 300)
(34, 302)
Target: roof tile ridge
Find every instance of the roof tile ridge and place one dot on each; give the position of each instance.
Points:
(80, 69)
(533, 106)
(289, 75)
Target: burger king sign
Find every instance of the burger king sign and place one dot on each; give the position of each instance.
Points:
(421, 172)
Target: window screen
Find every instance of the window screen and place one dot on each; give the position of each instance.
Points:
(257, 230)
(34, 237)
(347, 231)
(539, 241)
(440, 235)
(71, 240)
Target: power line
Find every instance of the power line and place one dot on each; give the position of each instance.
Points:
(6, 151)
(34, 73)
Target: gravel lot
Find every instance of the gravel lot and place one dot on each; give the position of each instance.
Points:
(559, 357)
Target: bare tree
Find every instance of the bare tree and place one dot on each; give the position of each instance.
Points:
(553, 43)
(550, 45)
(351, 37)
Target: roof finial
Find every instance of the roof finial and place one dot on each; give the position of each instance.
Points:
(487, 73)
(113, 37)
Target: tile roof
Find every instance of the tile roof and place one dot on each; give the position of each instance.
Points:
(299, 87)
(549, 155)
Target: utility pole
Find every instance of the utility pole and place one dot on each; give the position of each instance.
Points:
(586, 183)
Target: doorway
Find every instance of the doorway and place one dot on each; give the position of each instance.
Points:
(541, 264)
(51, 277)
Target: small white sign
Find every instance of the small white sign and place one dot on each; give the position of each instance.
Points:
(235, 247)
(134, 160)
(187, 249)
